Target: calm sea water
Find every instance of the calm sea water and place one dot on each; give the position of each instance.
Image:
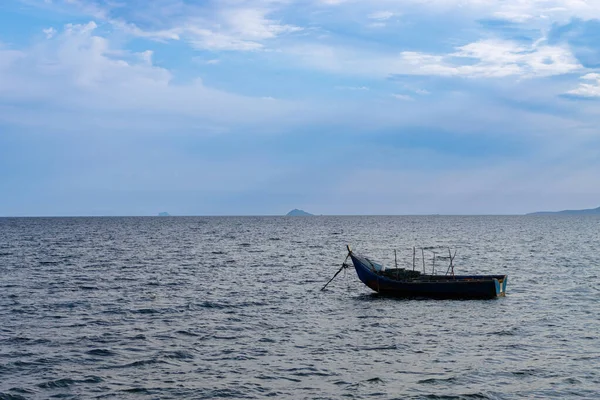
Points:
(206, 308)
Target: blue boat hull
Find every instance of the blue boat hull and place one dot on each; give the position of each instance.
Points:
(431, 286)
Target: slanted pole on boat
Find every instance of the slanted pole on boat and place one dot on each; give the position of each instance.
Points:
(414, 257)
(433, 265)
(423, 257)
(344, 265)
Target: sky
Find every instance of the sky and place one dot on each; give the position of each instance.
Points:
(235, 107)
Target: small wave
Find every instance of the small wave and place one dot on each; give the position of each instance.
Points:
(101, 352)
(59, 383)
(526, 372)
(225, 393)
(88, 287)
(212, 304)
(137, 337)
(146, 311)
(19, 391)
(17, 339)
(137, 391)
(377, 348)
(25, 340)
(219, 337)
(434, 381)
(139, 363)
(178, 355)
(307, 371)
(8, 396)
(505, 332)
(467, 396)
(186, 333)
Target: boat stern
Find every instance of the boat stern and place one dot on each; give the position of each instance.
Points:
(500, 282)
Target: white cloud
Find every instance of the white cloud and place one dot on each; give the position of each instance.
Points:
(332, 2)
(49, 32)
(146, 57)
(494, 59)
(585, 89)
(158, 35)
(207, 39)
(403, 97)
(498, 58)
(239, 29)
(481, 59)
(92, 76)
(381, 15)
(253, 24)
(354, 88)
(9, 57)
(534, 12)
(204, 61)
(238, 26)
(551, 10)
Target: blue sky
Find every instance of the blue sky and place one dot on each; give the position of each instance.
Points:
(234, 107)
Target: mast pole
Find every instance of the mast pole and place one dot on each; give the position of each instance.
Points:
(396, 263)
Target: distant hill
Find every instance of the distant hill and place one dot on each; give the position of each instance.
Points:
(298, 213)
(164, 214)
(590, 211)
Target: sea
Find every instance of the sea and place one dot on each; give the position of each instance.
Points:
(232, 308)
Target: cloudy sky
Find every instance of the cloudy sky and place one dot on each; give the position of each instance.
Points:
(234, 107)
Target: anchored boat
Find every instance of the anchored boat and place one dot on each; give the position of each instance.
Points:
(402, 282)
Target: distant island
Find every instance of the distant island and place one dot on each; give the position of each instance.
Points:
(590, 211)
(164, 214)
(298, 213)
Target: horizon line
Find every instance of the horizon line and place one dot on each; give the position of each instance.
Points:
(279, 215)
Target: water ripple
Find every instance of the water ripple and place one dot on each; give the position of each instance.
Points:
(209, 308)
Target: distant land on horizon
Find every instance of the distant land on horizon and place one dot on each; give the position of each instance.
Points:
(301, 213)
(589, 211)
(298, 213)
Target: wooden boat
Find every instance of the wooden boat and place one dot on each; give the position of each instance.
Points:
(403, 282)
